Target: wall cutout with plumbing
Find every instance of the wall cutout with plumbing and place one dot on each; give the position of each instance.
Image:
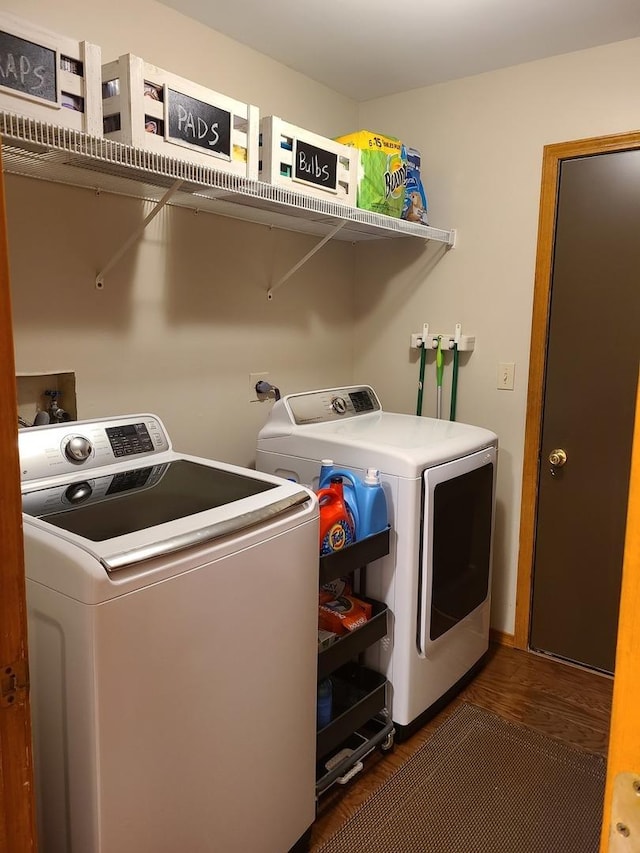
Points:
(45, 398)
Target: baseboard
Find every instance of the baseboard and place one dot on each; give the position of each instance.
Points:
(501, 638)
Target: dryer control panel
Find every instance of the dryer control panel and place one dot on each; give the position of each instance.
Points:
(331, 404)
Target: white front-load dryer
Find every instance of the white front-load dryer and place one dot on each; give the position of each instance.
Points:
(439, 480)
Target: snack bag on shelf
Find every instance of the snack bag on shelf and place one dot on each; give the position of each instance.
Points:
(415, 201)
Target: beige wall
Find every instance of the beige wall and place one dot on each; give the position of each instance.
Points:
(183, 318)
(164, 37)
(481, 140)
(168, 335)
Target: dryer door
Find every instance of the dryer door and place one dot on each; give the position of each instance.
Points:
(457, 527)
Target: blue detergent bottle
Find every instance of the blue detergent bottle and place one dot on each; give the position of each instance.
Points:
(366, 501)
(372, 505)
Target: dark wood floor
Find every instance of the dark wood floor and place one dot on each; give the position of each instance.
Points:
(559, 700)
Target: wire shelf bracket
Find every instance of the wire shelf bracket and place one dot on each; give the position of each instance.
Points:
(304, 260)
(136, 234)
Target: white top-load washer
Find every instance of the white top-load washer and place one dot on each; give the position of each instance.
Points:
(173, 705)
(439, 480)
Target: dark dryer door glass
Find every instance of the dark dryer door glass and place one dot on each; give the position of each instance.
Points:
(461, 547)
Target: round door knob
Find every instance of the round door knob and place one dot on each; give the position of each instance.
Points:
(78, 448)
(557, 458)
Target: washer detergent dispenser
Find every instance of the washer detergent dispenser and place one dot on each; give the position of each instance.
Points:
(439, 479)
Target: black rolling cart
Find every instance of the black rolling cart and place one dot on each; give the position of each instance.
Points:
(361, 715)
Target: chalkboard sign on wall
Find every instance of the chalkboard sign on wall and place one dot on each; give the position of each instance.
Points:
(315, 166)
(28, 68)
(193, 122)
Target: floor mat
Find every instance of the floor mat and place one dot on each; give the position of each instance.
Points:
(481, 784)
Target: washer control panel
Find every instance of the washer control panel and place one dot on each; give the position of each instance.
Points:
(332, 404)
(129, 439)
(65, 448)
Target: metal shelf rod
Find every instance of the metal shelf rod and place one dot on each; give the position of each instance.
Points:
(303, 261)
(136, 234)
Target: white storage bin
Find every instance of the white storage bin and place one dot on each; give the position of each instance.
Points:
(150, 108)
(49, 77)
(306, 162)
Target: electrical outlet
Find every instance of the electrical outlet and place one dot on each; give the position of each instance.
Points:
(254, 378)
(506, 371)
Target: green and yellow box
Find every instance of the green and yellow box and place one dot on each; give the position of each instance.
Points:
(382, 172)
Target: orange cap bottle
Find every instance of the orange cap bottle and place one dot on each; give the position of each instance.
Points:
(336, 525)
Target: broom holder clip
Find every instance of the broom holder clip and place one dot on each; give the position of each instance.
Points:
(466, 343)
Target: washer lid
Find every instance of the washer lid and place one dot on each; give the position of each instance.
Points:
(130, 514)
(394, 443)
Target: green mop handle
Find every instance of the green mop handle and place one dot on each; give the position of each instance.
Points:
(423, 355)
(439, 363)
(454, 383)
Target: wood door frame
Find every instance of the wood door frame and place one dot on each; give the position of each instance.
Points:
(552, 157)
(17, 809)
(624, 740)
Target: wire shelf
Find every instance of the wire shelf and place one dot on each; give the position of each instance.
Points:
(49, 152)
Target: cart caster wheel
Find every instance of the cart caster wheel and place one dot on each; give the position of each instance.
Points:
(388, 744)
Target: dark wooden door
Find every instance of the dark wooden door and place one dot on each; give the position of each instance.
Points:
(589, 395)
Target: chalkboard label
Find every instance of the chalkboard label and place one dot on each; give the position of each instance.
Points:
(28, 68)
(195, 123)
(315, 166)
